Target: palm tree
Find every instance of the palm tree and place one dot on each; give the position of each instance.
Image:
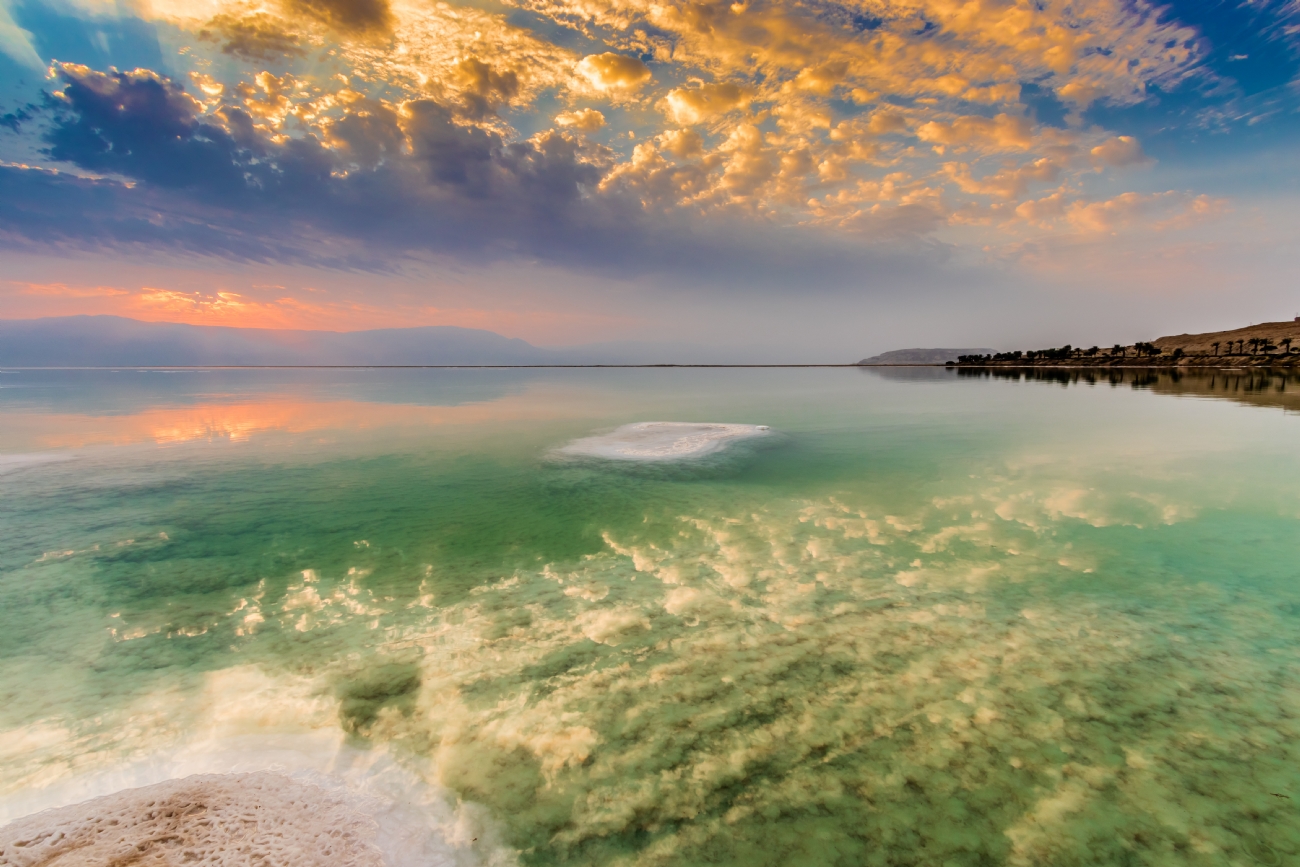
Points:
(1150, 349)
(1286, 344)
(1241, 346)
(1216, 347)
(1253, 343)
(1118, 350)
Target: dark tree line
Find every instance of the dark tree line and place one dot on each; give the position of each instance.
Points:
(1141, 349)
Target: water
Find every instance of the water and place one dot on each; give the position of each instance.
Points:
(934, 619)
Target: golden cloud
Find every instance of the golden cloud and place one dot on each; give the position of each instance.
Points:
(1008, 183)
(682, 143)
(769, 106)
(613, 72)
(585, 119)
(1003, 132)
(693, 105)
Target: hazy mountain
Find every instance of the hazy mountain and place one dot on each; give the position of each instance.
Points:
(113, 341)
(922, 356)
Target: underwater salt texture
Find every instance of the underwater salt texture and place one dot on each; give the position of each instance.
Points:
(940, 619)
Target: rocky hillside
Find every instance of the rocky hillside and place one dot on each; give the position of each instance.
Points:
(1217, 342)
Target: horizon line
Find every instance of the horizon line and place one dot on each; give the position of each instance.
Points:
(423, 366)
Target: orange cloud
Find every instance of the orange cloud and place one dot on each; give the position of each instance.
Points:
(691, 105)
(585, 119)
(613, 72)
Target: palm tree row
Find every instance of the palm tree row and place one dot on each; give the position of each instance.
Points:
(1141, 349)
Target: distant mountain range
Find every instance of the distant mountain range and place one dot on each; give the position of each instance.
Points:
(921, 356)
(114, 341)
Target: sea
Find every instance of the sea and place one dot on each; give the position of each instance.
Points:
(929, 617)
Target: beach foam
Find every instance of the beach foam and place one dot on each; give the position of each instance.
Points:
(662, 441)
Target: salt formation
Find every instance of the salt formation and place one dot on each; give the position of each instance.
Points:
(227, 819)
(663, 441)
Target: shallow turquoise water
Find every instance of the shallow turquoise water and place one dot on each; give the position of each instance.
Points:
(936, 620)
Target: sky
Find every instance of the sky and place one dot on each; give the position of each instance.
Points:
(802, 180)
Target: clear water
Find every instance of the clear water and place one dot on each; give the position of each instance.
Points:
(936, 620)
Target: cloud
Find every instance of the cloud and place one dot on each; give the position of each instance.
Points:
(766, 112)
(895, 221)
(693, 105)
(1001, 133)
(257, 36)
(348, 17)
(411, 178)
(821, 80)
(585, 119)
(62, 290)
(613, 72)
(657, 183)
(1110, 214)
(1123, 150)
(484, 88)
(1007, 183)
(144, 126)
(1158, 212)
(682, 143)
(16, 42)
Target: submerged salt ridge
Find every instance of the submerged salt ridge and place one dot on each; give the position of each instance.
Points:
(652, 441)
(817, 681)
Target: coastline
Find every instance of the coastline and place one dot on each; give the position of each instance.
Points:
(1092, 364)
(1170, 363)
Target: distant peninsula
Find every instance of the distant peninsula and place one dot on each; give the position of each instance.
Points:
(1268, 344)
(920, 356)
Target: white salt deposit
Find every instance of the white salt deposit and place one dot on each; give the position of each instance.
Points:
(663, 441)
(310, 792)
(227, 819)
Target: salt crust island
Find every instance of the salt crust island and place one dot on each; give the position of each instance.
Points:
(662, 441)
(229, 819)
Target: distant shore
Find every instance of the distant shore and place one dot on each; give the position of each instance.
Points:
(1266, 345)
(1182, 363)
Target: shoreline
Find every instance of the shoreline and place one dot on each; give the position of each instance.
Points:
(1180, 364)
(426, 366)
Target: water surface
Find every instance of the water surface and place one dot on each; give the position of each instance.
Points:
(936, 619)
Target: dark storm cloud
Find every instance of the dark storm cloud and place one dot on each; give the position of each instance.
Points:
(417, 182)
(145, 127)
(140, 125)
